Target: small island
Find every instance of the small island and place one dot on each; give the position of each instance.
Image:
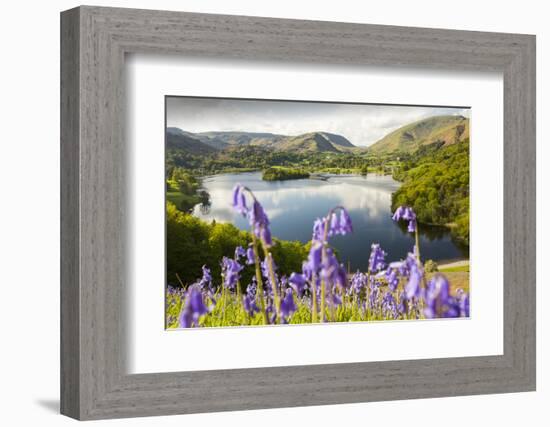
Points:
(283, 174)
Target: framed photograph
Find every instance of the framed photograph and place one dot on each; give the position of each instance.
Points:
(262, 213)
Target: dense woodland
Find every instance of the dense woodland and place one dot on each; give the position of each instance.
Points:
(436, 183)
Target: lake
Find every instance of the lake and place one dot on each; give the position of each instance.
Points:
(293, 205)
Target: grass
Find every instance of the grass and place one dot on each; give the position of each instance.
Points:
(460, 268)
(457, 279)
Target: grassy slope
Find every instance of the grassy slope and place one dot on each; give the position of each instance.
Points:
(449, 129)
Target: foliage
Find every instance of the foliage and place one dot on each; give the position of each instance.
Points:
(251, 158)
(282, 174)
(192, 243)
(436, 184)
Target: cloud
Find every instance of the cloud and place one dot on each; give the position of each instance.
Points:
(362, 124)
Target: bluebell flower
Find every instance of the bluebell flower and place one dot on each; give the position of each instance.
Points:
(406, 213)
(314, 258)
(256, 215)
(392, 278)
(288, 306)
(345, 222)
(250, 257)
(413, 286)
(249, 304)
(260, 223)
(231, 272)
(358, 282)
(298, 283)
(333, 225)
(206, 280)
(377, 258)
(465, 305)
(193, 308)
(438, 301)
(239, 252)
(239, 200)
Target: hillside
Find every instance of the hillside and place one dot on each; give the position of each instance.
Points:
(182, 141)
(443, 129)
(305, 143)
(436, 183)
(309, 142)
(242, 138)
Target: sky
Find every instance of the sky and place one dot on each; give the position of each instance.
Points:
(361, 124)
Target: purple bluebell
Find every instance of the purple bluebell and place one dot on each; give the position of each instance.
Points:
(413, 285)
(373, 293)
(256, 215)
(298, 283)
(345, 222)
(403, 307)
(193, 308)
(358, 282)
(239, 200)
(438, 301)
(260, 223)
(318, 230)
(206, 281)
(264, 265)
(249, 304)
(406, 213)
(333, 225)
(392, 278)
(231, 272)
(250, 257)
(389, 305)
(288, 306)
(239, 252)
(335, 299)
(465, 305)
(341, 277)
(314, 258)
(377, 258)
(270, 311)
(252, 288)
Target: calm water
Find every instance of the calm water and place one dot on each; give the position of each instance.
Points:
(293, 205)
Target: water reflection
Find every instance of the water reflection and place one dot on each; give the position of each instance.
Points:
(293, 205)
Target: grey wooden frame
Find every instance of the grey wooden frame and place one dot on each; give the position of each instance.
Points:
(94, 41)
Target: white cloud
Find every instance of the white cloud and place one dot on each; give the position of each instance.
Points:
(362, 124)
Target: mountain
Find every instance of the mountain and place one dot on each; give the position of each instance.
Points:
(339, 140)
(179, 140)
(446, 129)
(308, 142)
(244, 138)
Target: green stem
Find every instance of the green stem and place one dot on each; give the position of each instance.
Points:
(259, 282)
(273, 280)
(314, 309)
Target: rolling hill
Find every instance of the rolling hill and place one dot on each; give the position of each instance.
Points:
(179, 140)
(446, 129)
(205, 142)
